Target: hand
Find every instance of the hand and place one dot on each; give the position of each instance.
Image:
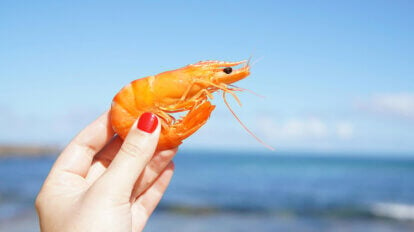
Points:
(100, 184)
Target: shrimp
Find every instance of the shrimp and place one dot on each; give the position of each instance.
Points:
(186, 89)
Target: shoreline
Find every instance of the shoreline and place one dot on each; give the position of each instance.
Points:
(27, 151)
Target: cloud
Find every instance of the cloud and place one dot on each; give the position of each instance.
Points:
(307, 128)
(304, 128)
(399, 105)
(43, 127)
(344, 130)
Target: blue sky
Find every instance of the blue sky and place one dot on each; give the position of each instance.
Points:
(337, 76)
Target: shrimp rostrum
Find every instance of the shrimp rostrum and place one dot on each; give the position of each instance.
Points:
(186, 89)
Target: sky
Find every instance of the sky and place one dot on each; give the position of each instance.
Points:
(335, 75)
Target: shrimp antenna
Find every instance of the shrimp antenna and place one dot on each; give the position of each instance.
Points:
(248, 64)
(244, 126)
(248, 90)
(257, 60)
(248, 61)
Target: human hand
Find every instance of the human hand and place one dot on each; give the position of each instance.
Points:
(101, 183)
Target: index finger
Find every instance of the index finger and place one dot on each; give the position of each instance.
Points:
(77, 157)
(134, 154)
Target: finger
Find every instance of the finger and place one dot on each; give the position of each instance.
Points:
(143, 207)
(152, 171)
(102, 160)
(136, 150)
(157, 164)
(78, 155)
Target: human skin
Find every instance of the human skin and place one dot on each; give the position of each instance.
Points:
(101, 183)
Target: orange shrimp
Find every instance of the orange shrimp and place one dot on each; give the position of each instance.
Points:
(187, 89)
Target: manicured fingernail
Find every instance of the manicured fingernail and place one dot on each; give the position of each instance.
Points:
(147, 122)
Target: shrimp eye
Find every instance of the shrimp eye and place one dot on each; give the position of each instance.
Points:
(227, 70)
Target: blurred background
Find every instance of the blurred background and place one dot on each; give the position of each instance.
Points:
(338, 84)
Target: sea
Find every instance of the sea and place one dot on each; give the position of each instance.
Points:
(251, 191)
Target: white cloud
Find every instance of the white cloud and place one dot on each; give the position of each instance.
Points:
(344, 130)
(305, 129)
(396, 104)
(42, 128)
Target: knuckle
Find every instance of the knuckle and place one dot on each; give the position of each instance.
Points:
(145, 183)
(171, 165)
(133, 150)
(39, 201)
(154, 167)
(90, 150)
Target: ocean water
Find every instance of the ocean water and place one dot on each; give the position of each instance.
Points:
(244, 191)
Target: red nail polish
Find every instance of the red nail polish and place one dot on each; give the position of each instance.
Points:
(147, 122)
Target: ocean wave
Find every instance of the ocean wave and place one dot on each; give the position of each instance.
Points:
(394, 211)
(343, 211)
(378, 211)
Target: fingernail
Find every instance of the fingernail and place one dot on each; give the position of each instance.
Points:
(147, 122)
